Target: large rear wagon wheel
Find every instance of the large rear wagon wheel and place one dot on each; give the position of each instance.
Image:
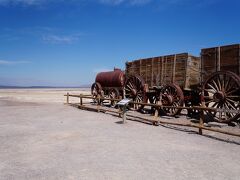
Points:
(171, 95)
(222, 90)
(134, 89)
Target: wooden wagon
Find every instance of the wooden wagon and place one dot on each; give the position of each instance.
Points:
(212, 80)
(220, 67)
(167, 80)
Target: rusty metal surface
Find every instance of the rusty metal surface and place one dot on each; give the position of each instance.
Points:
(114, 78)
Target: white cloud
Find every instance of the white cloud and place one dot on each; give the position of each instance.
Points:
(56, 39)
(5, 62)
(26, 2)
(39, 2)
(44, 34)
(132, 2)
(160, 4)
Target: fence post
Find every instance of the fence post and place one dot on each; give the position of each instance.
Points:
(120, 111)
(67, 98)
(98, 103)
(124, 115)
(156, 114)
(81, 101)
(201, 119)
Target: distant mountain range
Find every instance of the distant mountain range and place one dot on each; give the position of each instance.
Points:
(42, 87)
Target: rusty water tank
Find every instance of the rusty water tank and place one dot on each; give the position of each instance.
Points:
(113, 78)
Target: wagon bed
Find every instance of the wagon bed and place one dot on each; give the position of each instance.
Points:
(223, 58)
(182, 69)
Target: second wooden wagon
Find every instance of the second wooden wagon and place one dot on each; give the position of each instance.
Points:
(169, 80)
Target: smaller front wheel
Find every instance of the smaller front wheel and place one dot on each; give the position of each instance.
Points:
(134, 89)
(114, 94)
(97, 92)
(171, 95)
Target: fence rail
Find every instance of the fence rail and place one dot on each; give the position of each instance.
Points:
(156, 120)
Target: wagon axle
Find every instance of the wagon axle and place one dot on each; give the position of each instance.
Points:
(167, 99)
(219, 96)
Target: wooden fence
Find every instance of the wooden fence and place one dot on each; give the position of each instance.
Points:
(156, 120)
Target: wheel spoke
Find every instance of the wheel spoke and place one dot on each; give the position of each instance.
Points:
(223, 88)
(208, 97)
(219, 83)
(237, 97)
(229, 106)
(210, 91)
(213, 106)
(212, 87)
(234, 102)
(207, 102)
(215, 84)
(232, 106)
(232, 91)
(223, 82)
(227, 84)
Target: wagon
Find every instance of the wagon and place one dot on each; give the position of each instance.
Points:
(109, 84)
(113, 84)
(169, 80)
(220, 67)
(211, 80)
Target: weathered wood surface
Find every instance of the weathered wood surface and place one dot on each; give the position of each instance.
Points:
(224, 58)
(182, 69)
(155, 105)
(155, 120)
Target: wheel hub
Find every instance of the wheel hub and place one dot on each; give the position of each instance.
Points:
(219, 96)
(134, 92)
(168, 99)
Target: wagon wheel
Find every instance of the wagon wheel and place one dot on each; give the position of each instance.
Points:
(222, 90)
(97, 91)
(113, 94)
(134, 89)
(171, 95)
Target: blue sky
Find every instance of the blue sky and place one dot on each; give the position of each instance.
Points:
(64, 43)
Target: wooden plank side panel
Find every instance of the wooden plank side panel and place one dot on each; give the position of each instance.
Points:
(208, 62)
(162, 70)
(193, 73)
(180, 70)
(143, 69)
(220, 58)
(168, 63)
(156, 70)
(230, 58)
(149, 72)
(133, 68)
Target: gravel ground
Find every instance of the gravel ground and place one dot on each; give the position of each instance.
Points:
(53, 141)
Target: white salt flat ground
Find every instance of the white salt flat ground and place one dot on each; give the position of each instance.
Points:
(40, 140)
